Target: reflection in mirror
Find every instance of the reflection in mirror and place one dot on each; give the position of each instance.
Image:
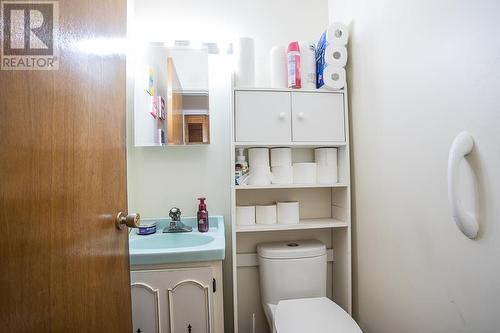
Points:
(171, 96)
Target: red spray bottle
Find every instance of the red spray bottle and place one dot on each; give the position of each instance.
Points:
(293, 55)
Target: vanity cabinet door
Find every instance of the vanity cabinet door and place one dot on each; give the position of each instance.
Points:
(318, 117)
(262, 116)
(185, 300)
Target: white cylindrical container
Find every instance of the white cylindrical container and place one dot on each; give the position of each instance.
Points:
(327, 169)
(288, 212)
(279, 75)
(304, 173)
(265, 214)
(307, 65)
(259, 175)
(282, 174)
(258, 157)
(281, 157)
(244, 72)
(245, 215)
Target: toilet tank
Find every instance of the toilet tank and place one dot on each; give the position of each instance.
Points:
(290, 270)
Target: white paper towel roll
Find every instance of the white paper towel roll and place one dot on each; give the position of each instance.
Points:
(337, 33)
(334, 78)
(244, 73)
(282, 174)
(288, 212)
(304, 173)
(307, 65)
(326, 174)
(278, 67)
(245, 215)
(265, 214)
(336, 55)
(281, 157)
(258, 157)
(327, 170)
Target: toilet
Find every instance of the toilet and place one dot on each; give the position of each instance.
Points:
(293, 289)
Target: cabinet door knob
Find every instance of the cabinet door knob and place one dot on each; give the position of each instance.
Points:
(282, 115)
(300, 115)
(130, 220)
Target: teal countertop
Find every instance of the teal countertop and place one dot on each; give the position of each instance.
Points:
(170, 248)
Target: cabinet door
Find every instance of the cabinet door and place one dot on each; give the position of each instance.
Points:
(318, 117)
(185, 305)
(262, 116)
(145, 308)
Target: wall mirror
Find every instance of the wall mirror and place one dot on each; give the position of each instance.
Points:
(171, 95)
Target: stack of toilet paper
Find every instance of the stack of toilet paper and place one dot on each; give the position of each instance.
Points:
(281, 165)
(331, 57)
(258, 160)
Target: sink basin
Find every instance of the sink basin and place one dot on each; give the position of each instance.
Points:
(170, 241)
(169, 248)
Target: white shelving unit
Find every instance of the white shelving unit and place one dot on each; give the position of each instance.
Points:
(302, 120)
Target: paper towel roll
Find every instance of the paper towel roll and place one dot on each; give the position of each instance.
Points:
(337, 33)
(288, 212)
(259, 175)
(334, 78)
(265, 214)
(278, 67)
(326, 174)
(307, 65)
(282, 174)
(258, 157)
(304, 173)
(245, 215)
(281, 157)
(336, 55)
(244, 73)
(325, 156)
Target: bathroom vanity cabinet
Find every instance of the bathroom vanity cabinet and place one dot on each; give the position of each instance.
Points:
(301, 120)
(177, 298)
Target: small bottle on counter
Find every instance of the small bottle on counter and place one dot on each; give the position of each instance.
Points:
(202, 216)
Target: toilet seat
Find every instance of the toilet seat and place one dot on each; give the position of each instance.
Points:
(318, 315)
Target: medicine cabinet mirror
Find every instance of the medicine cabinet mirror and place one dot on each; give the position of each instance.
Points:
(171, 96)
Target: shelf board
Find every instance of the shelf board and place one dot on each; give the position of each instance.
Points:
(278, 186)
(326, 91)
(289, 144)
(304, 224)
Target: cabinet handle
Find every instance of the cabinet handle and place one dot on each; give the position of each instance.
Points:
(282, 115)
(300, 115)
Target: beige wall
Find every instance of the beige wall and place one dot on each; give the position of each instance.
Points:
(159, 178)
(420, 72)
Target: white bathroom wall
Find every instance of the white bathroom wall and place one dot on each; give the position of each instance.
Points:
(419, 73)
(162, 177)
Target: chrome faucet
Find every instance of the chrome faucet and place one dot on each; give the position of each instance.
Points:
(175, 224)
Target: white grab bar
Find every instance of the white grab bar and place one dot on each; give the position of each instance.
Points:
(460, 148)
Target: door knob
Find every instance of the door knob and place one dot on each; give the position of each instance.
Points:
(282, 115)
(129, 220)
(300, 115)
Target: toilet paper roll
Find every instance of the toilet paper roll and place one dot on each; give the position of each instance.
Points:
(265, 214)
(325, 156)
(334, 78)
(282, 174)
(307, 65)
(337, 33)
(259, 175)
(278, 67)
(336, 55)
(304, 173)
(327, 174)
(288, 212)
(281, 157)
(244, 72)
(245, 215)
(258, 157)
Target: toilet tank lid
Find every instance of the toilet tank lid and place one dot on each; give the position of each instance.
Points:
(291, 249)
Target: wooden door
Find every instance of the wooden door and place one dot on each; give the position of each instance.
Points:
(63, 264)
(318, 117)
